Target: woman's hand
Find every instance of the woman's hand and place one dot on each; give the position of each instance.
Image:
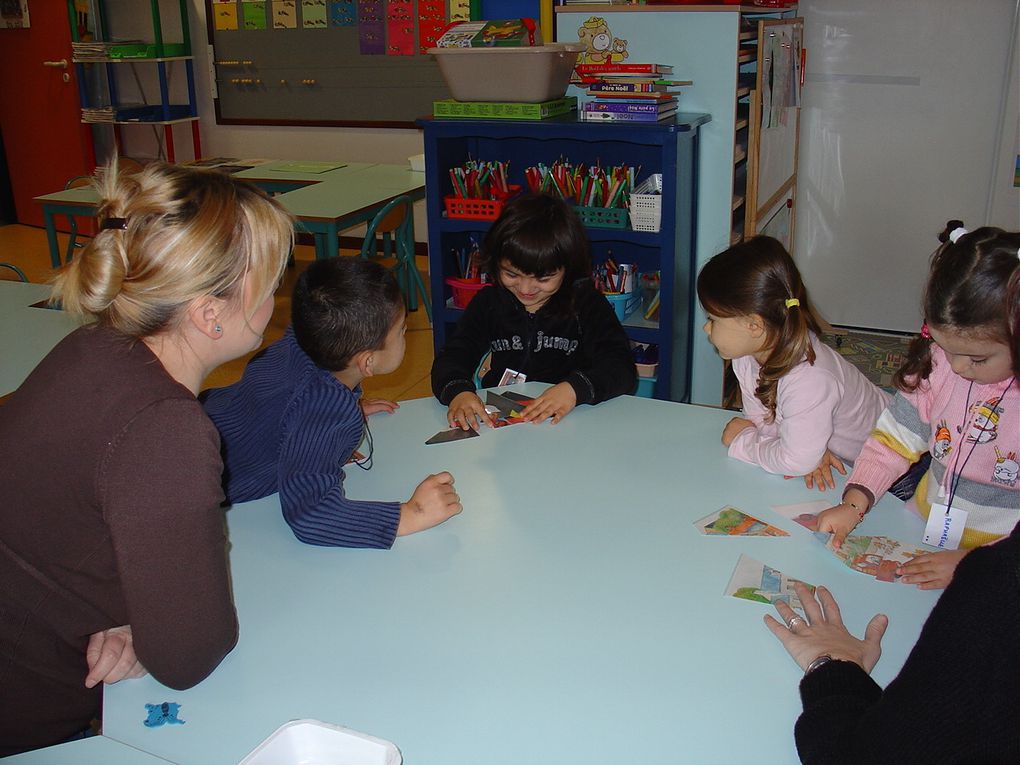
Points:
(733, 428)
(111, 657)
(932, 571)
(821, 476)
(466, 411)
(556, 402)
(823, 631)
(372, 406)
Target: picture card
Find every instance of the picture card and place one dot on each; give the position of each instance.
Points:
(453, 434)
(876, 556)
(731, 522)
(754, 580)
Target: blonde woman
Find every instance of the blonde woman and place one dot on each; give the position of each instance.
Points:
(112, 556)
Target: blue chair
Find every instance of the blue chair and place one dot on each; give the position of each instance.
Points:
(16, 270)
(393, 228)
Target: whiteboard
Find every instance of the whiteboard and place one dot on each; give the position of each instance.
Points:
(900, 132)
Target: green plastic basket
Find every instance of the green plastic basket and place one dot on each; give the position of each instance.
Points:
(603, 217)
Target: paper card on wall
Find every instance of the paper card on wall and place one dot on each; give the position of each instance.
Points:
(342, 13)
(371, 28)
(399, 28)
(431, 21)
(753, 580)
(225, 17)
(284, 14)
(460, 10)
(254, 15)
(731, 522)
(313, 14)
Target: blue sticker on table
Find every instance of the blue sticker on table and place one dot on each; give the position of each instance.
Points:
(162, 714)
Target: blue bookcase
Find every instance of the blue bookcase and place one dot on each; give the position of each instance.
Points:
(669, 147)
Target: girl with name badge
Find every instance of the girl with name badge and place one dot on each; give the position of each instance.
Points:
(959, 399)
(541, 320)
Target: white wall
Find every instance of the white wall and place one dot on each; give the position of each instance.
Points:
(903, 128)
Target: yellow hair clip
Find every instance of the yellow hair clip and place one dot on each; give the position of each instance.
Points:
(791, 302)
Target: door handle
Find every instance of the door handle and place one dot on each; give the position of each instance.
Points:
(62, 64)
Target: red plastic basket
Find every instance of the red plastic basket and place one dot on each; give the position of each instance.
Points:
(464, 290)
(477, 209)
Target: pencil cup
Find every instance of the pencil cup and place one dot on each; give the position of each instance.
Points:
(464, 290)
(623, 302)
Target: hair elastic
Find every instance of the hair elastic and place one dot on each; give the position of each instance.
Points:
(791, 302)
(114, 223)
(925, 332)
(956, 233)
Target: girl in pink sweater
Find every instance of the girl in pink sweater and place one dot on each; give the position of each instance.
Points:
(959, 399)
(805, 409)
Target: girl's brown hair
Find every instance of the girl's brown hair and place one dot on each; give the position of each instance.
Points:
(758, 276)
(170, 234)
(966, 291)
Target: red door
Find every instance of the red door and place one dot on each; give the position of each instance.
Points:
(40, 114)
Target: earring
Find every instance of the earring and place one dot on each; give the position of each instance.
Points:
(218, 328)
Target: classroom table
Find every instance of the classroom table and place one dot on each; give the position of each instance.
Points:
(27, 333)
(571, 614)
(323, 203)
(97, 750)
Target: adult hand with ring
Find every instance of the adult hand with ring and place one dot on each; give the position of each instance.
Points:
(823, 631)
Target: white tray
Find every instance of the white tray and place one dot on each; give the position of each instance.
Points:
(312, 742)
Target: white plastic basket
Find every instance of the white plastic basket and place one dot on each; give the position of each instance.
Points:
(646, 204)
(645, 212)
(312, 742)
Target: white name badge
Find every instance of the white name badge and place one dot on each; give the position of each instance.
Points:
(512, 377)
(945, 527)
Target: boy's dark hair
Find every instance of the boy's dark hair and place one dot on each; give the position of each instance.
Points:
(343, 306)
(966, 291)
(758, 276)
(539, 234)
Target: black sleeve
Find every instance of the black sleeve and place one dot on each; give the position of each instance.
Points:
(605, 368)
(453, 369)
(956, 698)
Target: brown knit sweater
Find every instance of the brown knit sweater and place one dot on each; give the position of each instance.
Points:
(110, 495)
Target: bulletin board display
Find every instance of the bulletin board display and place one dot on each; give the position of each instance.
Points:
(327, 62)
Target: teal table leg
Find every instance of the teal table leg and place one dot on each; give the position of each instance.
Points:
(51, 236)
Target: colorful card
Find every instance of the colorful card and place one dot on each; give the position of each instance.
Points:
(876, 556)
(804, 513)
(753, 580)
(731, 522)
(454, 434)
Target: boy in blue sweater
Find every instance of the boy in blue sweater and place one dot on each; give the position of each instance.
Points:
(296, 416)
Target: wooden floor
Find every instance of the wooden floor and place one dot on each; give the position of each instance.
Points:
(25, 247)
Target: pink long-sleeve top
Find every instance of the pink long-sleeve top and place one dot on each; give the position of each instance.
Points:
(973, 433)
(825, 405)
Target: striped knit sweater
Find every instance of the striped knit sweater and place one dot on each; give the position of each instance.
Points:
(972, 432)
(288, 426)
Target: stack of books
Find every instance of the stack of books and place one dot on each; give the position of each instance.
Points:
(629, 92)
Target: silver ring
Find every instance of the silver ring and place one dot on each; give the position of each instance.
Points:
(794, 620)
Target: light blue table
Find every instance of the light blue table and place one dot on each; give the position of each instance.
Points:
(98, 750)
(27, 334)
(323, 203)
(571, 614)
